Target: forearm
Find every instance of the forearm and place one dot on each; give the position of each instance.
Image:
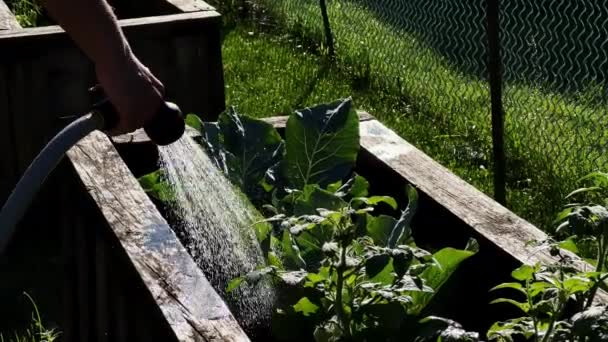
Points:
(93, 27)
(131, 87)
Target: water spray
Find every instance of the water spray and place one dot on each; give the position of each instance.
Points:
(166, 127)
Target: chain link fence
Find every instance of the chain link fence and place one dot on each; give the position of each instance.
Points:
(555, 69)
(432, 54)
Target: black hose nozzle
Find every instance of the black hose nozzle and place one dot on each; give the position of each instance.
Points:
(166, 126)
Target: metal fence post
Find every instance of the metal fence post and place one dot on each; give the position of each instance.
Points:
(495, 73)
(327, 27)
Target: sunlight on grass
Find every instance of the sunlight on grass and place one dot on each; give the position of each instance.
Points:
(552, 139)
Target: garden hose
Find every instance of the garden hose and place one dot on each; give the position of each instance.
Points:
(166, 127)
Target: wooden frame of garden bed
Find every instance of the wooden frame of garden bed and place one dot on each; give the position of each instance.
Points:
(191, 307)
(502, 235)
(44, 82)
(45, 78)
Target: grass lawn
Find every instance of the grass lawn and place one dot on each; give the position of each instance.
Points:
(270, 75)
(552, 139)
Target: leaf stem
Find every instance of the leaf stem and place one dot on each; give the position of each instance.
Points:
(534, 321)
(555, 317)
(339, 287)
(599, 268)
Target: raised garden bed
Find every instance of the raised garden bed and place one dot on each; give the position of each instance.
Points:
(449, 213)
(61, 255)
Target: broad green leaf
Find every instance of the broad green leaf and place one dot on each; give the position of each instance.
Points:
(505, 331)
(583, 190)
(356, 186)
(569, 245)
(562, 215)
(262, 229)
(322, 144)
(515, 286)
(312, 198)
(334, 187)
(376, 264)
(379, 228)
(274, 260)
(150, 180)
(385, 276)
(537, 287)
(577, 285)
(195, 122)
(523, 273)
(448, 260)
(253, 145)
(402, 259)
(314, 278)
(525, 307)
(376, 200)
(306, 307)
(291, 252)
(360, 187)
(156, 187)
(234, 283)
(402, 228)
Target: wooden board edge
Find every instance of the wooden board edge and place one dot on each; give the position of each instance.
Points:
(8, 21)
(193, 309)
(127, 25)
(140, 137)
(486, 217)
(191, 5)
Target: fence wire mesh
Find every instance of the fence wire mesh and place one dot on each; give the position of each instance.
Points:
(555, 59)
(430, 57)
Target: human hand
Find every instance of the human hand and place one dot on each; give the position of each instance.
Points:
(133, 90)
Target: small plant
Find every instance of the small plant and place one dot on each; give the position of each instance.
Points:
(550, 293)
(29, 13)
(351, 275)
(557, 306)
(364, 275)
(584, 223)
(37, 332)
(347, 273)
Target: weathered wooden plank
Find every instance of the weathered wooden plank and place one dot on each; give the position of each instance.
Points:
(189, 303)
(281, 121)
(7, 19)
(8, 163)
(164, 25)
(200, 58)
(7, 144)
(139, 136)
(191, 5)
(485, 216)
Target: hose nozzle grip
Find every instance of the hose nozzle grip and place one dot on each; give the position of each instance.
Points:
(166, 126)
